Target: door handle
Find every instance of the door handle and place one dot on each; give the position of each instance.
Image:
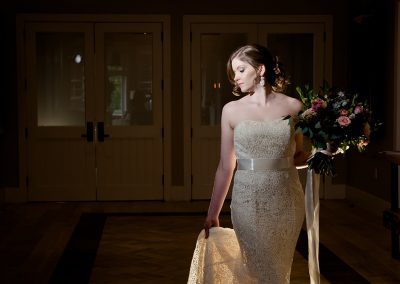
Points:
(100, 132)
(89, 132)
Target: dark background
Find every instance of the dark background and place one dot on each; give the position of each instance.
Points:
(363, 61)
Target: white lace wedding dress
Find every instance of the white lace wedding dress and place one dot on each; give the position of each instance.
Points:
(267, 211)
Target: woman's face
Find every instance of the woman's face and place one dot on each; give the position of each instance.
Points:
(245, 75)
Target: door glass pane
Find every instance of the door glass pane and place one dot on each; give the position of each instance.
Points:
(60, 79)
(296, 53)
(129, 78)
(216, 90)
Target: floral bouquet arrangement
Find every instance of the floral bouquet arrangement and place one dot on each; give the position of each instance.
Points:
(334, 121)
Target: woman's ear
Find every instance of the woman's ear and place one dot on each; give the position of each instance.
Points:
(261, 70)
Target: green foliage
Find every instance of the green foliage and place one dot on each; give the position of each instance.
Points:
(333, 118)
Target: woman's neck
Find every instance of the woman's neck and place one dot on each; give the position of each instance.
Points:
(262, 96)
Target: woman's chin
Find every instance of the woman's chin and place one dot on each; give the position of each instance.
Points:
(247, 90)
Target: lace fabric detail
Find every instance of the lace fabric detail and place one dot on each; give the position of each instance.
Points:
(267, 210)
(264, 139)
(218, 259)
(267, 213)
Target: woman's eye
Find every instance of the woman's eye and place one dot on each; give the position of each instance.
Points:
(241, 70)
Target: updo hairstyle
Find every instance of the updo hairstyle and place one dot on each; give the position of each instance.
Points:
(256, 55)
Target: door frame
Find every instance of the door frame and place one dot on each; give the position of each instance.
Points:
(331, 190)
(396, 126)
(396, 104)
(21, 193)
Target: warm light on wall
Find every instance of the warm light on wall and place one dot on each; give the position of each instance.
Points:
(217, 85)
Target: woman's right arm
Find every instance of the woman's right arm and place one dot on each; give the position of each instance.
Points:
(224, 171)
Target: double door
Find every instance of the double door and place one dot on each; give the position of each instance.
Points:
(301, 48)
(94, 103)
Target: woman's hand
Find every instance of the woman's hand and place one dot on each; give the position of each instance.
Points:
(210, 222)
(301, 158)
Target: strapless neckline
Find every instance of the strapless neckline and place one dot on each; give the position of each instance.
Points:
(259, 121)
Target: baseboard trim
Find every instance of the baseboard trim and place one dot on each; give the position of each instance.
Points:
(15, 195)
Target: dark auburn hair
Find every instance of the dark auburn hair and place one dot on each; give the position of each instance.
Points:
(256, 55)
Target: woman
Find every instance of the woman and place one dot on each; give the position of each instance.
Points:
(267, 207)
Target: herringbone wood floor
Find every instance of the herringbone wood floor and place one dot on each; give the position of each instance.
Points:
(143, 252)
(145, 249)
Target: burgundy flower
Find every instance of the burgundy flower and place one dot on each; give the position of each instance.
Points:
(318, 103)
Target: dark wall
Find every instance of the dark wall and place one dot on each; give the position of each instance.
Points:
(344, 68)
(371, 69)
(8, 103)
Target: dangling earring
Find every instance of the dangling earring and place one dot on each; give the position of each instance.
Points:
(262, 81)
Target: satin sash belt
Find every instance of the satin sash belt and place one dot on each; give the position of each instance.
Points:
(264, 164)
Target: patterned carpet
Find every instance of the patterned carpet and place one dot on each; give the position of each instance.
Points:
(157, 248)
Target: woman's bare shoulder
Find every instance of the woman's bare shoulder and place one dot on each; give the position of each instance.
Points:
(294, 106)
(229, 109)
(232, 110)
(232, 106)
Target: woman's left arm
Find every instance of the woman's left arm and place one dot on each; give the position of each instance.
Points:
(300, 156)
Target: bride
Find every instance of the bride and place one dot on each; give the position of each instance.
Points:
(267, 206)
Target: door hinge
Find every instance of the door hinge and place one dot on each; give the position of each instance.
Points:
(26, 133)
(162, 132)
(27, 181)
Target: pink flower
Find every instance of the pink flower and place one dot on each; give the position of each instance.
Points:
(343, 120)
(309, 113)
(358, 109)
(343, 112)
(318, 103)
